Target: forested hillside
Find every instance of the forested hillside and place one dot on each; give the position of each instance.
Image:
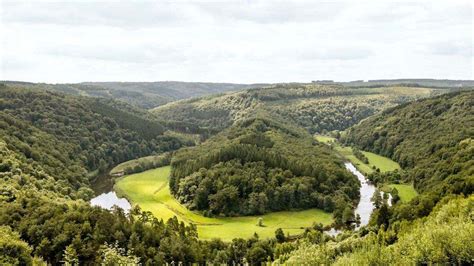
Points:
(444, 237)
(71, 136)
(259, 165)
(432, 139)
(141, 94)
(317, 108)
(49, 144)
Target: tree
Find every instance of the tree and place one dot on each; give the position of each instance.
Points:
(358, 219)
(13, 251)
(114, 255)
(395, 196)
(383, 215)
(70, 256)
(280, 235)
(347, 215)
(377, 199)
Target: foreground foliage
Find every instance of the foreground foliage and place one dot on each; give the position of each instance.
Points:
(446, 236)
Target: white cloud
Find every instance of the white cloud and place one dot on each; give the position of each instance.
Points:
(240, 41)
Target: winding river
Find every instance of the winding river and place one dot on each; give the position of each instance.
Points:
(365, 206)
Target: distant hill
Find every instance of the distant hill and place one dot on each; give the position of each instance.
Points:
(438, 83)
(141, 94)
(317, 108)
(149, 95)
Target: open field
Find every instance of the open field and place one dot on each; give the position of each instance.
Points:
(406, 191)
(383, 163)
(324, 139)
(151, 192)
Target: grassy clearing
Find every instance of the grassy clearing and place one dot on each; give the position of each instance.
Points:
(151, 192)
(383, 163)
(346, 152)
(324, 139)
(406, 191)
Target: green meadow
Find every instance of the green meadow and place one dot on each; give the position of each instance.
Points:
(151, 192)
(324, 139)
(406, 191)
(383, 163)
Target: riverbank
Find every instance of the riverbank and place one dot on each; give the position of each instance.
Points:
(375, 161)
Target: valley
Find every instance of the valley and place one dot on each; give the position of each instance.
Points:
(240, 133)
(150, 190)
(239, 176)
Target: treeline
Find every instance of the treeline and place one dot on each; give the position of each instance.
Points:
(143, 164)
(432, 140)
(233, 174)
(359, 155)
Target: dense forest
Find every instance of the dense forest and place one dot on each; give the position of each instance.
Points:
(262, 165)
(432, 139)
(259, 157)
(317, 108)
(72, 138)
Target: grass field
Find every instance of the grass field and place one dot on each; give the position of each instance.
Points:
(324, 139)
(383, 163)
(405, 191)
(151, 192)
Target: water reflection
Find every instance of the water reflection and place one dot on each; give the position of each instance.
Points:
(108, 200)
(365, 207)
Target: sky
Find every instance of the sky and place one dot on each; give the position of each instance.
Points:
(235, 41)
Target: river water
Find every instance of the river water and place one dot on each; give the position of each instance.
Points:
(109, 199)
(365, 206)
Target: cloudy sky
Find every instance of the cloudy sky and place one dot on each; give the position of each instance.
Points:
(235, 41)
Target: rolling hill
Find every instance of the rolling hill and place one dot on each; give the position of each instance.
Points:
(317, 108)
(260, 165)
(141, 94)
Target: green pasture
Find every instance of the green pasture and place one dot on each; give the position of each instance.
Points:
(406, 191)
(151, 192)
(383, 163)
